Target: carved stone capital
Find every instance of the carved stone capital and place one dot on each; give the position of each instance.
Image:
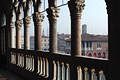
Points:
(38, 17)
(76, 8)
(100, 72)
(53, 13)
(27, 19)
(92, 71)
(85, 69)
(12, 24)
(19, 23)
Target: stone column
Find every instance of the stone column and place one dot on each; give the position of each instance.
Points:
(18, 33)
(38, 19)
(53, 17)
(27, 21)
(12, 35)
(76, 7)
(62, 67)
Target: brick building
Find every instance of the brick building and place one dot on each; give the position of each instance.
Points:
(92, 45)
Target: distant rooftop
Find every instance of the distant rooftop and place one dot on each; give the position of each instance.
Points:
(92, 37)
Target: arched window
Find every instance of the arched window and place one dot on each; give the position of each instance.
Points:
(99, 55)
(94, 55)
(89, 55)
(103, 55)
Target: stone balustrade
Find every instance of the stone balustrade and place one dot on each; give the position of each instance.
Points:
(58, 66)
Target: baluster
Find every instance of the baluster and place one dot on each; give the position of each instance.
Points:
(79, 71)
(54, 75)
(15, 58)
(100, 74)
(46, 73)
(43, 67)
(85, 72)
(26, 61)
(11, 57)
(18, 59)
(92, 73)
(32, 63)
(62, 66)
(22, 60)
(66, 72)
(57, 70)
(38, 65)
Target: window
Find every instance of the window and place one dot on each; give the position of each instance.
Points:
(99, 45)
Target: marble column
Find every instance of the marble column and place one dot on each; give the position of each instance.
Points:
(53, 17)
(18, 33)
(38, 19)
(12, 29)
(76, 7)
(12, 35)
(27, 21)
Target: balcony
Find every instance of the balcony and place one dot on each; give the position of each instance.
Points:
(36, 65)
(39, 65)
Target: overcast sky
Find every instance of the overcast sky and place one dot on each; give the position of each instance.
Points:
(94, 16)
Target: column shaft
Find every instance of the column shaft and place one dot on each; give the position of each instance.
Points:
(38, 19)
(18, 37)
(53, 16)
(76, 8)
(27, 21)
(12, 35)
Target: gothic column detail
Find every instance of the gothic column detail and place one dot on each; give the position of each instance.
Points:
(12, 35)
(53, 17)
(38, 18)
(27, 21)
(18, 33)
(76, 7)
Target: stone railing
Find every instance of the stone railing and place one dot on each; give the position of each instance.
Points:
(34, 65)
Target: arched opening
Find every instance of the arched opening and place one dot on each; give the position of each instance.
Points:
(99, 55)
(94, 55)
(90, 55)
(103, 55)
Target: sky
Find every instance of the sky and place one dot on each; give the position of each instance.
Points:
(94, 16)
